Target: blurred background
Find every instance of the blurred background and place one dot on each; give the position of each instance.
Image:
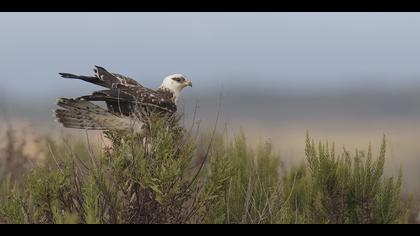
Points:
(345, 77)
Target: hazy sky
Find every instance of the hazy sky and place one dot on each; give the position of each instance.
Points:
(274, 50)
(277, 51)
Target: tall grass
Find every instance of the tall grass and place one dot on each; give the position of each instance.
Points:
(172, 176)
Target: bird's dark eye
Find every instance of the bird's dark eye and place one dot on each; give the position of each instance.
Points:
(179, 79)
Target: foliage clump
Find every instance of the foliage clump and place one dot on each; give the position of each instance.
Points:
(351, 189)
(168, 176)
(139, 179)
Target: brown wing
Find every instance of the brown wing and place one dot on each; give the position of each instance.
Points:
(125, 95)
(156, 99)
(126, 100)
(125, 80)
(103, 78)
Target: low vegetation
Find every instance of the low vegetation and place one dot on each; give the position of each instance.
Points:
(173, 176)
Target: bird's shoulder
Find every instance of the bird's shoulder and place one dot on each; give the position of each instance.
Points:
(146, 96)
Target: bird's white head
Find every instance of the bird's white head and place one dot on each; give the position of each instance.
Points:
(175, 83)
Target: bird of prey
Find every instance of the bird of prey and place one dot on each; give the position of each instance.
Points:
(129, 104)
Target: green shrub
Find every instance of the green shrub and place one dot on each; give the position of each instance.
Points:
(140, 179)
(348, 189)
(168, 176)
(250, 196)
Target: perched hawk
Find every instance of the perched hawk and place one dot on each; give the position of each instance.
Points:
(129, 103)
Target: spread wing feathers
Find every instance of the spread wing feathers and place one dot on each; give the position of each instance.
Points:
(125, 96)
(81, 114)
(114, 102)
(124, 99)
(103, 78)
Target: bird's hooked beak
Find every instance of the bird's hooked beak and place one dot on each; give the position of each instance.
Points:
(188, 83)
